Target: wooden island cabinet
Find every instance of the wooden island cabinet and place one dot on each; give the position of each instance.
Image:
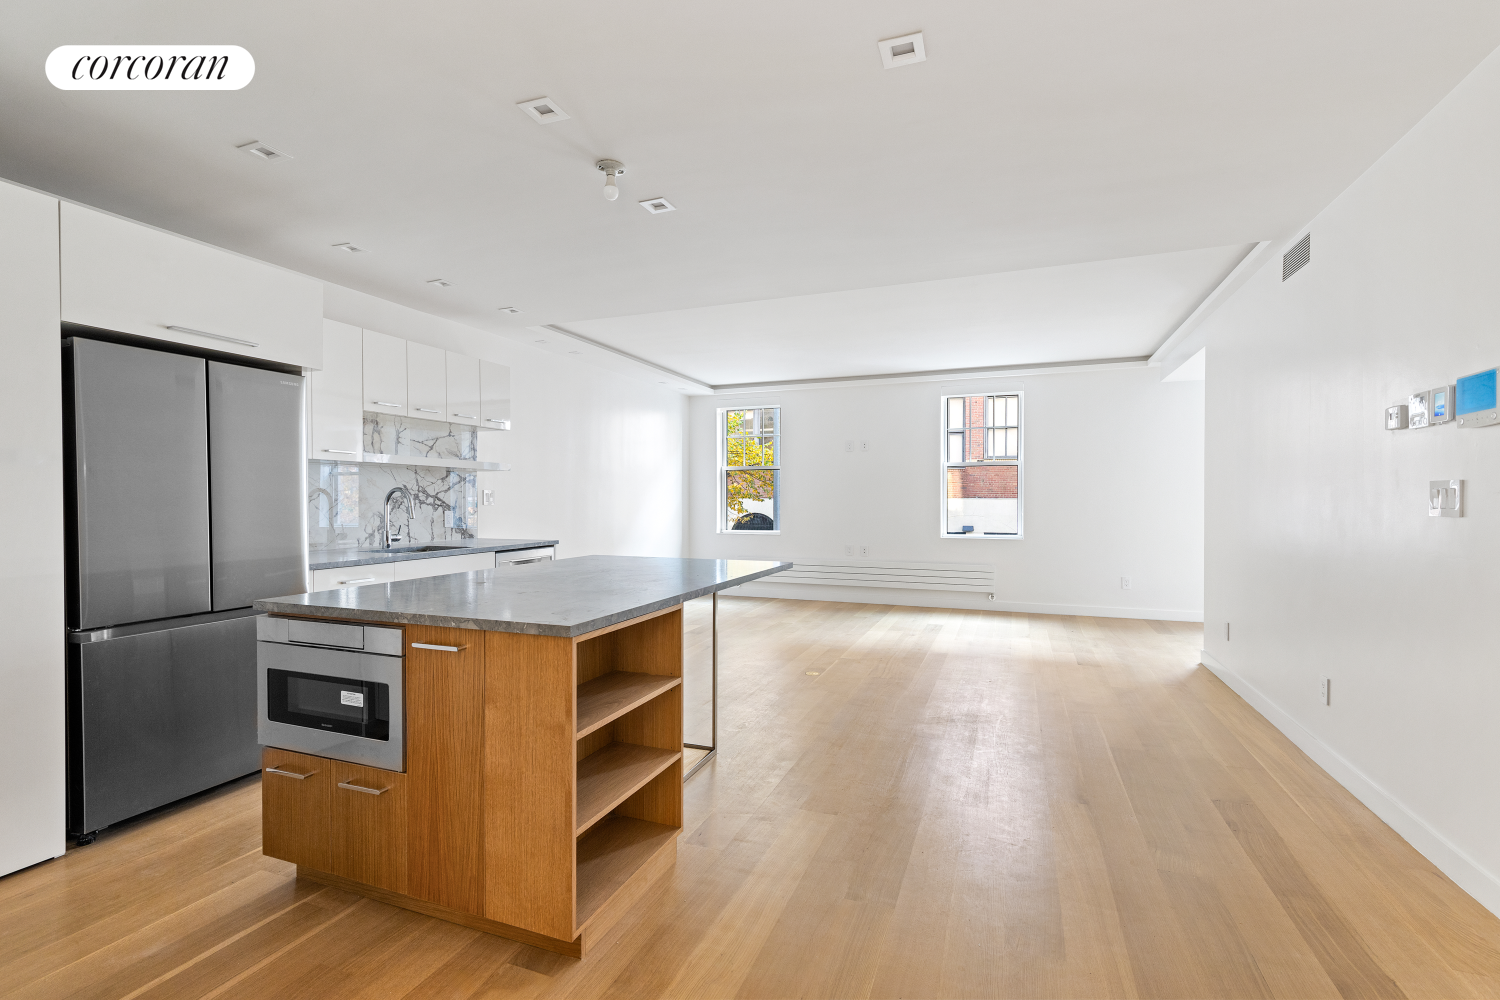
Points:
(543, 783)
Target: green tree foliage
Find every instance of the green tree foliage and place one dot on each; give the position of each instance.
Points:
(742, 448)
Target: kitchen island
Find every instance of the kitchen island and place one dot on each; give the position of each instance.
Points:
(541, 792)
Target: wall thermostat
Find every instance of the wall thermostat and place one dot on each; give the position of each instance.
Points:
(1395, 417)
(1440, 404)
(1445, 498)
(1418, 408)
(1475, 405)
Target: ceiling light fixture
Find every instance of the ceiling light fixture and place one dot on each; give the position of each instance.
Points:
(261, 151)
(656, 206)
(543, 110)
(441, 283)
(612, 169)
(509, 310)
(902, 51)
(349, 248)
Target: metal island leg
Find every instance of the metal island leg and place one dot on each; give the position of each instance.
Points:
(713, 744)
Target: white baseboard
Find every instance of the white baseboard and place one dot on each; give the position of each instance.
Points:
(1469, 875)
(950, 599)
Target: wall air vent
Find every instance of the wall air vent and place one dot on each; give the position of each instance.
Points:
(261, 151)
(1295, 259)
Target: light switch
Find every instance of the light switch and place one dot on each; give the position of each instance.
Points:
(1445, 498)
(1395, 417)
(489, 497)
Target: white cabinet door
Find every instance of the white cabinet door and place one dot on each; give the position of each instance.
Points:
(463, 389)
(118, 275)
(337, 415)
(384, 368)
(494, 387)
(426, 382)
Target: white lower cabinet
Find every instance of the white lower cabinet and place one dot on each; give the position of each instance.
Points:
(408, 569)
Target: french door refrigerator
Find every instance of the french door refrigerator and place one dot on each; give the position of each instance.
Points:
(184, 495)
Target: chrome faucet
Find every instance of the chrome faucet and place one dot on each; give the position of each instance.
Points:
(411, 506)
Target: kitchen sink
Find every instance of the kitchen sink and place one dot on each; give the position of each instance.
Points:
(418, 548)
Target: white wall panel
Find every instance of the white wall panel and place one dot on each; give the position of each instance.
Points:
(1112, 487)
(1320, 552)
(32, 697)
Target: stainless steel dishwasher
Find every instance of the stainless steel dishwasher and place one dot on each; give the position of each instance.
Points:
(331, 690)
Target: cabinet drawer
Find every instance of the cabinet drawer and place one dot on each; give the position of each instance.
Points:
(294, 790)
(119, 275)
(416, 568)
(367, 827)
(524, 556)
(354, 576)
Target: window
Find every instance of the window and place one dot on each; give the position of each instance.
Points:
(750, 469)
(982, 466)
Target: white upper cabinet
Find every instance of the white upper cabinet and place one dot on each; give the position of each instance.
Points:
(426, 382)
(384, 367)
(494, 387)
(463, 389)
(118, 275)
(337, 414)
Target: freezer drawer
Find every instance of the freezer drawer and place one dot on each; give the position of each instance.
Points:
(157, 717)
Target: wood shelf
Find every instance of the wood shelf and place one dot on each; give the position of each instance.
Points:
(612, 852)
(604, 699)
(613, 774)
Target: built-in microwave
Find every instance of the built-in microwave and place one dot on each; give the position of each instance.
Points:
(331, 690)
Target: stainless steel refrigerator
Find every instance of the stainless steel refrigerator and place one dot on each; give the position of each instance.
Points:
(184, 495)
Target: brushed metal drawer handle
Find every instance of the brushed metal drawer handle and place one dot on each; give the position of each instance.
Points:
(378, 402)
(362, 788)
(360, 579)
(441, 649)
(339, 451)
(424, 409)
(212, 336)
(466, 416)
(290, 774)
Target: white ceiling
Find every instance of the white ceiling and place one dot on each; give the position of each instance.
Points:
(1035, 135)
(1073, 312)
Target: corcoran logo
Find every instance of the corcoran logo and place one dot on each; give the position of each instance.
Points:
(150, 67)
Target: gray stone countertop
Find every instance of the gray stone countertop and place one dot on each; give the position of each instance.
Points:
(331, 557)
(569, 597)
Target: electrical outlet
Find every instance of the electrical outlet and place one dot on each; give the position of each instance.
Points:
(1124, 583)
(848, 550)
(864, 550)
(864, 446)
(1324, 694)
(848, 445)
(489, 497)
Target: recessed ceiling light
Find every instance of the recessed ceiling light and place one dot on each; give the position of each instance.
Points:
(441, 283)
(261, 151)
(349, 248)
(902, 51)
(509, 310)
(656, 206)
(543, 110)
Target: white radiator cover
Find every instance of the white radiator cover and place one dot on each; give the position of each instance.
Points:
(974, 578)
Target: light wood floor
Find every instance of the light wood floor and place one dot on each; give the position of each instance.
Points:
(907, 803)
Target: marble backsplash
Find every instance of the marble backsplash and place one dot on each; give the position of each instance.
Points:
(346, 500)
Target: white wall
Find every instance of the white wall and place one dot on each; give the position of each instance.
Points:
(596, 457)
(1319, 549)
(1113, 487)
(33, 781)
